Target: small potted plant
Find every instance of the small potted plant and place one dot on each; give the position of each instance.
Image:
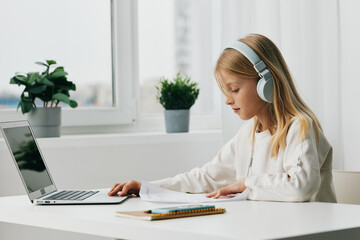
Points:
(51, 88)
(177, 97)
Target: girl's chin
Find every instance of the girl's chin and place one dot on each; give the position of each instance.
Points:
(244, 118)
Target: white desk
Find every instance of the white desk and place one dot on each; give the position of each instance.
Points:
(243, 220)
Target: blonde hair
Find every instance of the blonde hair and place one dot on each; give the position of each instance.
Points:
(287, 102)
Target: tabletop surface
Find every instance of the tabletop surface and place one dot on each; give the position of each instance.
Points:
(243, 219)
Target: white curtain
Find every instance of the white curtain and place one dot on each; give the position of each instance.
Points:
(350, 81)
(308, 35)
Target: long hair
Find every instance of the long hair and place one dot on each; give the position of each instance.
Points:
(287, 102)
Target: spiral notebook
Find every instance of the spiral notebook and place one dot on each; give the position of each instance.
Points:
(147, 215)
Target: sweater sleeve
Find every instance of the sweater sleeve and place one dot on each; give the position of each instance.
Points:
(301, 176)
(213, 175)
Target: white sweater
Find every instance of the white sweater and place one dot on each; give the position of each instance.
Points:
(301, 172)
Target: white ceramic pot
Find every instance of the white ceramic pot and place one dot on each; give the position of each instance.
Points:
(45, 122)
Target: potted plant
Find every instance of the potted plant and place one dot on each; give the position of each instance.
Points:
(49, 87)
(177, 97)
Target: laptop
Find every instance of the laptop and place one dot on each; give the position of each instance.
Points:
(36, 176)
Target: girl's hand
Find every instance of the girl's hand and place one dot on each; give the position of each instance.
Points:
(132, 187)
(236, 187)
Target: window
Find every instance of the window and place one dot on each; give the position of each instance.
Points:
(54, 34)
(85, 37)
(178, 35)
(115, 51)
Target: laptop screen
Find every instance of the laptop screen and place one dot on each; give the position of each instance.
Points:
(28, 158)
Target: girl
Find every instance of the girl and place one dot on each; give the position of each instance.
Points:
(279, 155)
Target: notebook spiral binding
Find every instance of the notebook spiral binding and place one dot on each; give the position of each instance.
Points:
(189, 213)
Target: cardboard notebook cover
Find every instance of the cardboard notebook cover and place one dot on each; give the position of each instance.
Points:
(147, 215)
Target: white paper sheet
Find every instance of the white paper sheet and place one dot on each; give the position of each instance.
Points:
(153, 193)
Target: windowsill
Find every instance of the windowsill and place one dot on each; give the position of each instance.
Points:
(98, 140)
(147, 130)
(146, 124)
(142, 124)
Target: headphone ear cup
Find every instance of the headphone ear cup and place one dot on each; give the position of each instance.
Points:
(265, 89)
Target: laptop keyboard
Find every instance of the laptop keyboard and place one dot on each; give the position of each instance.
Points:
(71, 195)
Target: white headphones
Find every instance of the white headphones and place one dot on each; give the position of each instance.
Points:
(265, 86)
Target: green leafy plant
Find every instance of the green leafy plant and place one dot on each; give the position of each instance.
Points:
(51, 87)
(180, 93)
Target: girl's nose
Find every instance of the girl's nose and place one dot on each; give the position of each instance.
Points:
(228, 101)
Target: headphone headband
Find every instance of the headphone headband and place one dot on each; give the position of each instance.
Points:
(265, 84)
(247, 51)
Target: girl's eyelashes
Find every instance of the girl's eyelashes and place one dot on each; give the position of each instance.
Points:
(235, 90)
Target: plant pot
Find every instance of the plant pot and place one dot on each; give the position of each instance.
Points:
(177, 120)
(45, 122)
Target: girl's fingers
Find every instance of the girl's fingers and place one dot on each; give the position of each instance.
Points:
(233, 188)
(131, 186)
(110, 193)
(115, 185)
(211, 194)
(218, 194)
(116, 189)
(215, 194)
(222, 192)
(124, 190)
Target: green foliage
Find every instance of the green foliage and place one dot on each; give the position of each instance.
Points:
(177, 94)
(28, 156)
(51, 87)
